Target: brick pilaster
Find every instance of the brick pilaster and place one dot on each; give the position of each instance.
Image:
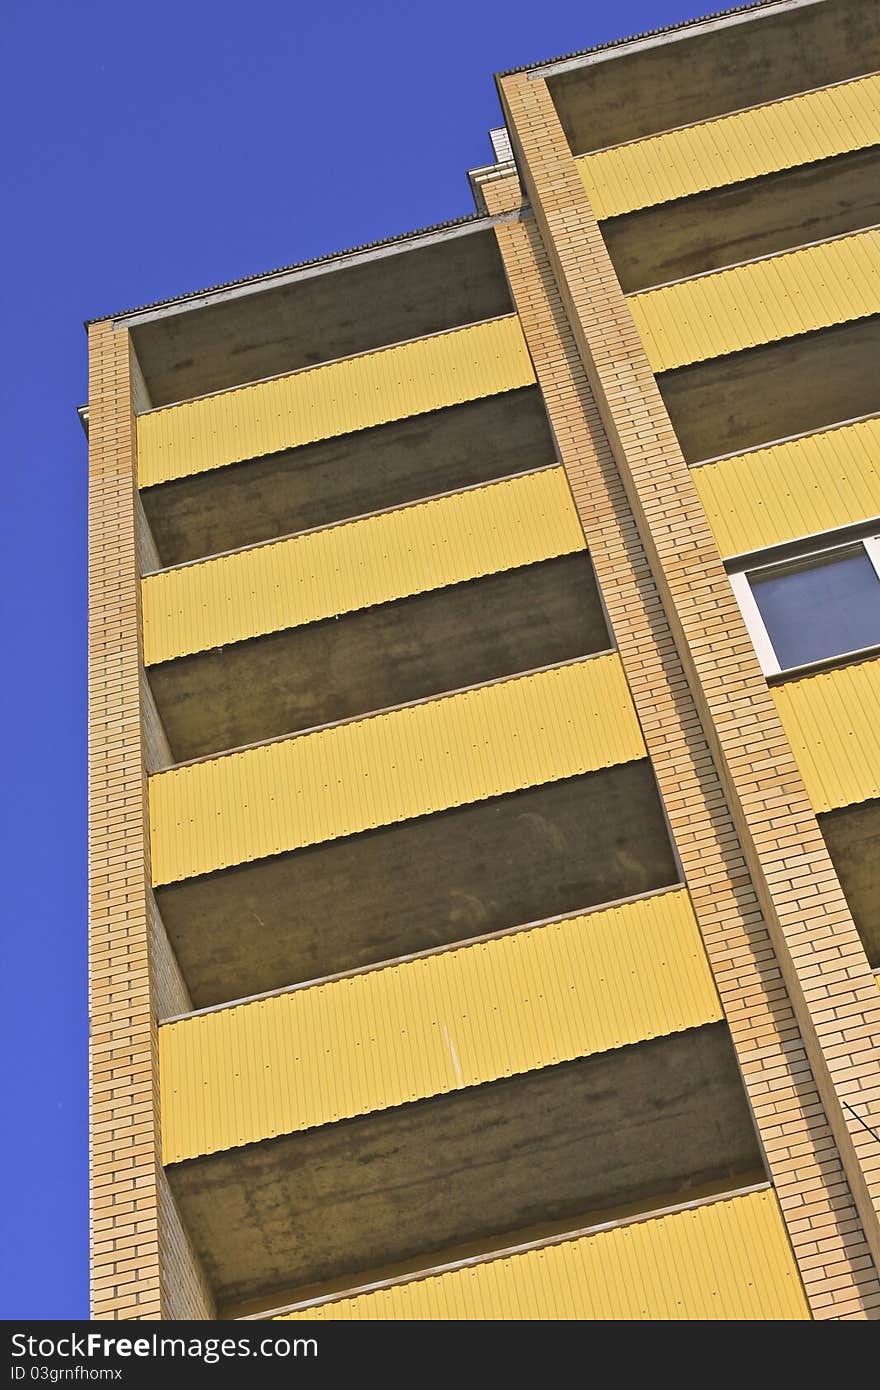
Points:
(802, 1156)
(133, 1232)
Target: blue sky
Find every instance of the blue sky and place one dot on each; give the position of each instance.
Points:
(148, 151)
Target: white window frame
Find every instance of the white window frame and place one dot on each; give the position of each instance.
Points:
(872, 546)
(748, 606)
(740, 582)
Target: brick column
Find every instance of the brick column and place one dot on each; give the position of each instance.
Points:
(133, 1227)
(824, 1227)
(819, 952)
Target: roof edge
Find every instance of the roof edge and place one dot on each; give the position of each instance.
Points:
(326, 258)
(645, 34)
(452, 223)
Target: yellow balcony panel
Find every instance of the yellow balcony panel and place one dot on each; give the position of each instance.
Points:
(466, 364)
(459, 1018)
(831, 721)
(390, 767)
(793, 489)
(763, 140)
(760, 302)
(728, 1259)
(395, 554)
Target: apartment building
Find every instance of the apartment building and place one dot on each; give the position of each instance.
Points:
(485, 752)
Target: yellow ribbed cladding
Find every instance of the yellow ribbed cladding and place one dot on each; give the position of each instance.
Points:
(409, 762)
(482, 359)
(760, 302)
(832, 723)
(782, 135)
(460, 1018)
(794, 489)
(704, 317)
(301, 580)
(725, 1259)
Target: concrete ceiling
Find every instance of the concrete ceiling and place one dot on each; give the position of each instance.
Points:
(417, 647)
(757, 218)
(785, 388)
(652, 87)
(425, 286)
(320, 484)
(667, 1116)
(481, 868)
(853, 838)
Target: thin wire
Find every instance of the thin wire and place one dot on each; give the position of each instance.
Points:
(862, 1122)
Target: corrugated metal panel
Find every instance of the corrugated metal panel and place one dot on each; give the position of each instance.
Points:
(342, 568)
(430, 1026)
(760, 302)
(832, 723)
(410, 762)
(723, 1260)
(780, 135)
(767, 496)
(320, 402)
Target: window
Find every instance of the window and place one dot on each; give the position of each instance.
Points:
(823, 605)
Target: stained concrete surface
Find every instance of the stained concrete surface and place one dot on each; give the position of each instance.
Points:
(426, 286)
(396, 652)
(852, 835)
(626, 96)
(757, 218)
(771, 392)
(664, 1116)
(475, 869)
(320, 484)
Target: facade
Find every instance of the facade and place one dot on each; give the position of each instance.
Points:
(485, 761)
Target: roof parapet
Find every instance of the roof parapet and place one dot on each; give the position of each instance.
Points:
(503, 166)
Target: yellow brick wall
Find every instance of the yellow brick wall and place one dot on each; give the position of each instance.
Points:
(185, 1291)
(802, 1005)
(816, 943)
(170, 994)
(136, 1239)
(830, 1247)
(157, 751)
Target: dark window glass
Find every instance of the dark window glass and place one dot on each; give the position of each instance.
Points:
(820, 608)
